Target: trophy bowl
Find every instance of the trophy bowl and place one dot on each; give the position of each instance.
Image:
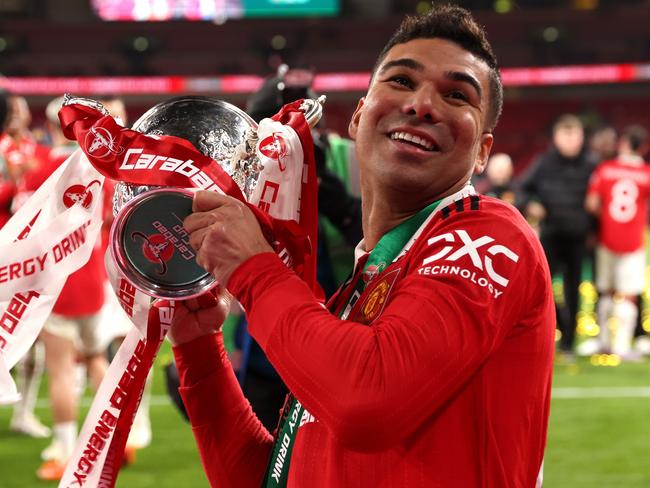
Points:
(148, 243)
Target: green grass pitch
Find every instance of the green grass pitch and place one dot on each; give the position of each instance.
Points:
(599, 435)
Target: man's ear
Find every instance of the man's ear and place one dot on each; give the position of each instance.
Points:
(487, 139)
(354, 121)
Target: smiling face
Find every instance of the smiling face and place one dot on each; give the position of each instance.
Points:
(420, 131)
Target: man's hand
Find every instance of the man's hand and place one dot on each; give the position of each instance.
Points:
(224, 233)
(199, 316)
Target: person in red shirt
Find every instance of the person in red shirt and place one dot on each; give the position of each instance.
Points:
(72, 330)
(432, 365)
(7, 186)
(618, 195)
(17, 145)
(19, 153)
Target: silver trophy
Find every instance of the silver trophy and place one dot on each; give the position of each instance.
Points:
(148, 244)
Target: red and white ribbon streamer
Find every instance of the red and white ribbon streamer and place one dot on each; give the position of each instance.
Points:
(49, 238)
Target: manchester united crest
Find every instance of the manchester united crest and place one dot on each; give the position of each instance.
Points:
(376, 298)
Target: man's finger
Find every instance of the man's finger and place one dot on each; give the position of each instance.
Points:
(204, 201)
(197, 237)
(206, 300)
(198, 220)
(191, 304)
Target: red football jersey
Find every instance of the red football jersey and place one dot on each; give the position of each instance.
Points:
(623, 188)
(440, 376)
(17, 154)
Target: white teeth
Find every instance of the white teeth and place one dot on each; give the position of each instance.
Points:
(405, 136)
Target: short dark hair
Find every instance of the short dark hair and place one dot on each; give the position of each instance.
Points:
(457, 25)
(567, 121)
(636, 136)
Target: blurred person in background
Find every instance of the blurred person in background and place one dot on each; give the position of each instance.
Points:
(19, 154)
(603, 143)
(7, 186)
(72, 330)
(498, 182)
(50, 157)
(554, 191)
(618, 196)
(17, 145)
(433, 364)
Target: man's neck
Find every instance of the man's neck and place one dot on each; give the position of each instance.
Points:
(377, 221)
(380, 215)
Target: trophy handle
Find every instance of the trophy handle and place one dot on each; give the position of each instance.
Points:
(69, 99)
(313, 109)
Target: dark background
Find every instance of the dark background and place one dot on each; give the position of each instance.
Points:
(65, 38)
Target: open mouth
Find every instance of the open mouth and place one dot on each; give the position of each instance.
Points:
(413, 140)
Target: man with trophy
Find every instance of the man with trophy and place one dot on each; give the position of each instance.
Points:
(432, 365)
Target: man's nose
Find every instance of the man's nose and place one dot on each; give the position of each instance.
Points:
(423, 104)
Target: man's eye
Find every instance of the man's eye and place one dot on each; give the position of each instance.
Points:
(458, 95)
(401, 80)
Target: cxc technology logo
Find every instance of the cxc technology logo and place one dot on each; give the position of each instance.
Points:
(99, 143)
(275, 147)
(156, 248)
(79, 194)
(483, 273)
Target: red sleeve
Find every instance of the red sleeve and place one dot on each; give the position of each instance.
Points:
(433, 335)
(594, 182)
(233, 444)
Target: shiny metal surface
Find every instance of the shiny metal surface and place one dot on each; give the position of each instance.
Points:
(216, 128)
(152, 250)
(69, 99)
(313, 109)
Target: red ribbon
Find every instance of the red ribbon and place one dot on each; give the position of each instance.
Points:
(89, 127)
(154, 339)
(110, 147)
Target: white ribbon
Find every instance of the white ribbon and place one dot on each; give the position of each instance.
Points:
(88, 463)
(134, 302)
(89, 458)
(279, 183)
(48, 239)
